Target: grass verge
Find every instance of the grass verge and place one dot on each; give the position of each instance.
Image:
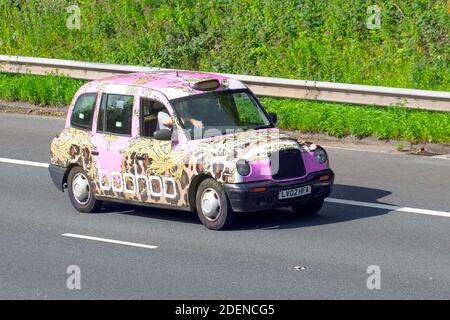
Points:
(334, 119)
(42, 90)
(340, 120)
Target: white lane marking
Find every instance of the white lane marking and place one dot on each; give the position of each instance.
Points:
(389, 207)
(125, 243)
(389, 152)
(24, 162)
(362, 150)
(333, 200)
(442, 156)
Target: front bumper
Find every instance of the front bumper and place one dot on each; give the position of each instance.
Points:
(242, 200)
(57, 174)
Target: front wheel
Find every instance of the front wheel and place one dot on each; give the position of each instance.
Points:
(81, 193)
(308, 208)
(213, 207)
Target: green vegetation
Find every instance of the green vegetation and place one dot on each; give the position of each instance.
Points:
(323, 40)
(44, 90)
(337, 120)
(342, 120)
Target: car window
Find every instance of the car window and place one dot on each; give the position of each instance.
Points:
(115, 114)
(246, 110)
(149, 116)
(220, 111)
(83, 110)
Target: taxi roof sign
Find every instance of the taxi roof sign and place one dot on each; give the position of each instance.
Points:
(206, 85)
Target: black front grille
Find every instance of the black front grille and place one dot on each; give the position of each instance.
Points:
(287, 164)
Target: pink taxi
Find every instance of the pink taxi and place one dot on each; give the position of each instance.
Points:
(192, 141)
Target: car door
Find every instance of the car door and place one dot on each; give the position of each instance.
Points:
(113, 134)
(157, 165)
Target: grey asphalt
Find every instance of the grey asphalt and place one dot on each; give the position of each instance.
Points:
(254, 260)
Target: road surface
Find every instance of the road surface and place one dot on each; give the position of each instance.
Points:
(271, 255)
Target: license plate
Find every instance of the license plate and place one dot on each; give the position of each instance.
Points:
(293, 193)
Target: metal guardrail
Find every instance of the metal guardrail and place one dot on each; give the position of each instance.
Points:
(265, 86)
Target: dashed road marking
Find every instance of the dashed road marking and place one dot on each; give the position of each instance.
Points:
(125, 243)
(442, 157)
(24, 162)
(389, 207)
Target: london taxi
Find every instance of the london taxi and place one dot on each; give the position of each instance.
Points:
(183, 140)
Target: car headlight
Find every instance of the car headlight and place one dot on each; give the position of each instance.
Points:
(320, 155)
(243, 167)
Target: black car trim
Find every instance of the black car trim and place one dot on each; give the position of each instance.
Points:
(57, 174)
(242, 200)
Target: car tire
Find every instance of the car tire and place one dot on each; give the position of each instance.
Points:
(213, 207)
(308, 209)
(81, 193)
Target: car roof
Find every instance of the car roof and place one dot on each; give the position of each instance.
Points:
(173, 84)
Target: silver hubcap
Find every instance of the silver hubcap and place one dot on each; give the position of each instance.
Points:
(81, 189)
(210, 203)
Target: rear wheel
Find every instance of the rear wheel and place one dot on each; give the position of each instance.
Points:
(213, 207)
(308, 208)
(80, 192)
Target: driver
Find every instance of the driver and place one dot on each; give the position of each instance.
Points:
(165, 121)
(192, 113)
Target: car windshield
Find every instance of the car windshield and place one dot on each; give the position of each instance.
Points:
(220, 112)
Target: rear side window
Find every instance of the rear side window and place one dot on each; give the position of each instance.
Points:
(83, 111)
(115, 114)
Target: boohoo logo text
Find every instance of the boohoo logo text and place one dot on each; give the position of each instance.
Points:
(129, 183)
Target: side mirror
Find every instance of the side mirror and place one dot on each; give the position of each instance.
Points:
(163, 134)
(272, 117)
